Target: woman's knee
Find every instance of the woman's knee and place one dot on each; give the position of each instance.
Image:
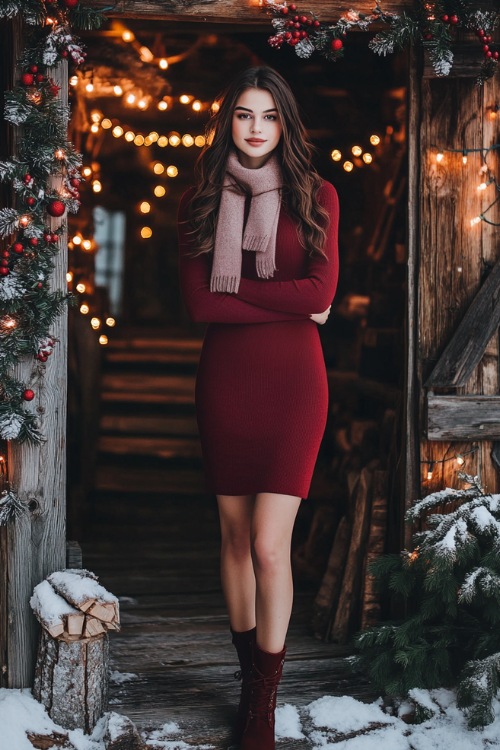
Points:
(269, 554)
(235, 522)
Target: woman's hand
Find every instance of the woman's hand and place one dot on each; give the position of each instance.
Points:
(321, 318)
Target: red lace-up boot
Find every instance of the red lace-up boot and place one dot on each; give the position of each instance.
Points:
(266, 674)
(244, 643)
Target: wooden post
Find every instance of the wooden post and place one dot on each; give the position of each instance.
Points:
(36, 542)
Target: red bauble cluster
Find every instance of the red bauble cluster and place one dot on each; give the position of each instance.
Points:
(485, 40)
(32, 76)
(45, 350)
(4, 263)
(297, 28)
(452, 20)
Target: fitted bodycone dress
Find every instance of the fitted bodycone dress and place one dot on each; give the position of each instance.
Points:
(261, 386)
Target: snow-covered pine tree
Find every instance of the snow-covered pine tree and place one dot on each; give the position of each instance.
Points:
(450, 586)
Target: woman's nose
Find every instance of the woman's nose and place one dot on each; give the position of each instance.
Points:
(256, 128)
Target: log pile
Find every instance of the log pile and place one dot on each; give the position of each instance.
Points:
(71, 676)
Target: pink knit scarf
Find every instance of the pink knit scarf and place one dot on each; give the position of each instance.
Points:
(264, 185)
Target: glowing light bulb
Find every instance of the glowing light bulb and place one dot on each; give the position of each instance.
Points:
(84, 309)
(148, 141)
(117, 90)
(196, 105)
(146, 233)
(95, 323)
(184, 98)
(482, 186)
(146, 55)
(374, 140)
(336, 155)
(163, 63)
(77, 239)
(24, 220)
(162, 141)
(187, 140)
(348, 166)
(159, 191)
(81, 288)
(103, 339)
(460, 460)
(172, 171)
(69, 277)
(86, 171)
(111, 322)
(143, 104)
(475, 221)
(95, 115)
(73, 81)
(117, 131)
(439, 157)
(128, 36)
(87, 245)
(367, 158)
(139, 140)
(89, 87)
(94, 128)
(162, 106)
(130, 98)
(59, 153)
(199, 141)
(96, 186)
(129, 136)
(145, 207)
(154, 136)
(174, 139)
(464, 159)
(106, 123)
(430, 471)
(356, 150)
(215, 106)
(158, 168)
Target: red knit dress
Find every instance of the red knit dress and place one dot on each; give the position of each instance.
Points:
(261, 387)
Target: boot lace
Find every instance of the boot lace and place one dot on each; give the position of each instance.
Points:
(262, 697)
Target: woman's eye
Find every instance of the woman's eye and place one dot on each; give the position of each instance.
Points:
(242, 116)
(271, 117)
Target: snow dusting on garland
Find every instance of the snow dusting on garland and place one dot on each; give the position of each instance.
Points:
(28, 245)
(431, 23)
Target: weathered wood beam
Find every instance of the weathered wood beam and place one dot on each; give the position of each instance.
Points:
(463, 417)
(229, 11)
(467, 345)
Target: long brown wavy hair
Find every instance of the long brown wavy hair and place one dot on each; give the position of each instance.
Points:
(301, 182)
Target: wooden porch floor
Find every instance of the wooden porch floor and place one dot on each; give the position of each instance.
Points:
(152, 537)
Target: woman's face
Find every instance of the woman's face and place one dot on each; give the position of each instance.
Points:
(256, 127)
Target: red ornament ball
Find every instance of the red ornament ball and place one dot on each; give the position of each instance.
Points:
(337, 44)
(28, 394)
(27, 79)
(33, 241)
(55, 237)
(292, 7)
(454, 20)
(27, 178)
(30, 201)
(71, 3)
(74, 182)
(4, 262)
(18, 248)
(40, 78)
(33, 68)
(496, 55)
(39, 285)
(4, 271)
(64, 53)
(56, 208)
(5, 254)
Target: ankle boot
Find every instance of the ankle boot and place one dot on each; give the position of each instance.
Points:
(244, 643)
(266, 674)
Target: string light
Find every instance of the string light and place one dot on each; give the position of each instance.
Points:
(459, 458)
(159, 191)
(96, 186)
(439, 157)
(158, 168)
(103, 339)
(163, 63)
(348, 166)
(367, 158)
(375, 140)
(196, 105)
(24, 220)
(117, 90)
(84, 309)
(185, 98)
(356, 150)
(146, 55)
(145, 207)
(69, 277)
(111, 322)
(430, 471)
(95, 323)
(106, 123)
(7, 323)
(81, 288)
(336, 155)
(146, 233)
(128, 36)
(172, 171)
(163, 105)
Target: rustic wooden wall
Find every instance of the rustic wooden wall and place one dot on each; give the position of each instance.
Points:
(36, 542)
(455, 257)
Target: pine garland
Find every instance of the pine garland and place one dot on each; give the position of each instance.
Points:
(44, 158)
(431, 24)
(451, 585)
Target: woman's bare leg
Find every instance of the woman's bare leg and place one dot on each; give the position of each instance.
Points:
(271, 534)
(237, 574)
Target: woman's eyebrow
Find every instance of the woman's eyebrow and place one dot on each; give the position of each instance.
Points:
(251, 110)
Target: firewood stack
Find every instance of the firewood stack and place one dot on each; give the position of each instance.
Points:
(71, 676)
(71, 605)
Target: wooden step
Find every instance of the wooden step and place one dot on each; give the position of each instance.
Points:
(160, 447)
(152, 424)
(148, 389)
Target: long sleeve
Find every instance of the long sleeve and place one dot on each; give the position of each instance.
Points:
(315, 292)
(204, 306)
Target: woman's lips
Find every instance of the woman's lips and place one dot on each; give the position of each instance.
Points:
(254, 141)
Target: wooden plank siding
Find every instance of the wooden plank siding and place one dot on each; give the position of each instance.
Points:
(454, 255)
(35, 544)
(463, 417)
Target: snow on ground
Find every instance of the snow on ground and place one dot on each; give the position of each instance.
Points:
(329, 723)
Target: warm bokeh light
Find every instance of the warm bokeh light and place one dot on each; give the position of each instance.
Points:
(94, 128)
(117, 131)
(117, 90)
(77, 239)
(374, 140)
(172, 171)
(215, 106)
(148, 141)
(145, 207)
(367, 158)
(84, 309)
(139, 140)
(162, 106)
(86, 171)
(356, 150)
(81, 287)
(146, 55)
(187, 140)
(128, 36)
(158, 168)
(196, 105)
(111, 322)
(103, 339)
(184, 98)
(129, 136)
(95, 323)
(163, 63)
(96, 186)
(162, 141)
(89, 87)
(143, 103)
(174, 139)
(130, 98)
(87, 245)
(106, 124)
(154, 136)
(95, 115)
(159, 191)
(439, 157)
(73, 81)
(69, 277)
(199, 141)
(336, 155)
(146, 233)
(348, 166)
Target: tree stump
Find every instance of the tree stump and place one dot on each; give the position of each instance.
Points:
(71, 680)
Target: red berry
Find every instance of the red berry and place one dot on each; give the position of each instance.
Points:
(445, 18)
(40, 78)
(39, 285)
(488, 54)
(30, 201)
(5, 254)
(288, 35)
(489, 38)
(33, 68)
(296, 34)
(47, 237)
(297, 25)
(27, 79)
(303, 19)
(71, 3)
(64, 53)
(296, 18)
(292, 7)
(309, 22)
(284, 11)
(4, 262)
(4, 271)
(27, 178)
(486, 48)
(337, 44)
(18, 248)
(293, 42)
(454, 20)
(480, 32)
(56, 208)
(428, 36)
(28, 394)
(55, 237)
(303, 34)
(316, 23)
(495, 55)
(33, 241)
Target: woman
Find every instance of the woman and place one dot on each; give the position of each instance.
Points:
(259, 263)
